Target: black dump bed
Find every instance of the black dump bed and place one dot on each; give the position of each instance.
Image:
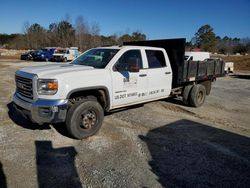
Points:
(184, 71)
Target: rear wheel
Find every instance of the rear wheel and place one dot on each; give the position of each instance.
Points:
(197, 95)
(186, 94)
(84, 118)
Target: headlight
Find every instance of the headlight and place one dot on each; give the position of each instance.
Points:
(47, 86)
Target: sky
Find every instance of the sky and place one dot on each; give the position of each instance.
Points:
(158, 19)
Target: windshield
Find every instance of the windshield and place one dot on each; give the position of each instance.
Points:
(97, 58)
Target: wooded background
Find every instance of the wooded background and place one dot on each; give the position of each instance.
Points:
(83, 35)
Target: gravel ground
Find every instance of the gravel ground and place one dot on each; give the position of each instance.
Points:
(160, 144)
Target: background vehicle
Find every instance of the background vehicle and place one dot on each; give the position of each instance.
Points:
(106, 78)
(65, 54)
(196, 56)
(44, 54)
(28, 55)
(229, 67)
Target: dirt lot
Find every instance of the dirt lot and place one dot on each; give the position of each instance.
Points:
(160, 144)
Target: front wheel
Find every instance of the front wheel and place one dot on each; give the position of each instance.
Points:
(84, 118)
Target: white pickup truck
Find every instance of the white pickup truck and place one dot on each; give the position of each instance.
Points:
(106, 78)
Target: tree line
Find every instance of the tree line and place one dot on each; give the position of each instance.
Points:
(85, 36)
(206, 40)
(65, 34)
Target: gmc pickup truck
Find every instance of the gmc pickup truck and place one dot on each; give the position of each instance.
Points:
(107, 78)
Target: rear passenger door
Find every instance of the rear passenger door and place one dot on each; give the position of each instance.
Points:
(159, 74)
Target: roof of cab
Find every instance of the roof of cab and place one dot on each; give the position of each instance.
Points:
(128, 46)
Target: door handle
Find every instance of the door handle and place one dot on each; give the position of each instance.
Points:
(143, 75)
(167, 72)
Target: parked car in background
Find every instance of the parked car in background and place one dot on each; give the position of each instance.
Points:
(65, 54)
(44, 54)
(28, 55)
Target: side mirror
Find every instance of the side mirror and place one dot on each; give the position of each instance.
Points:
(133, 64)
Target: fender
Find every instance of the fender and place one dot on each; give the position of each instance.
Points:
(94, 88)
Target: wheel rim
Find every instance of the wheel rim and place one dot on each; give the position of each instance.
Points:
(88, 120)
(200, 97)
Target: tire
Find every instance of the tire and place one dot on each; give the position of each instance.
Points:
(84, 118)
(197, 95)
(208, 85)
(186, 94)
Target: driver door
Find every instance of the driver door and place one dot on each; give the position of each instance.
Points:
(128, 86)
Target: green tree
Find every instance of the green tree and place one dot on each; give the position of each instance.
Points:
(125, 38)
(138, 36)
(35, 36)
(205, 38)
(66, 34)
(53, 34)
(5, 39)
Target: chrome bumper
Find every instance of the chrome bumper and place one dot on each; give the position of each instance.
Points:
(43, 110)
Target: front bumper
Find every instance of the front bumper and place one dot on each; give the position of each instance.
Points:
(42, 110)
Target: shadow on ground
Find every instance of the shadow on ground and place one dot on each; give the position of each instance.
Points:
(26, 123)
(3, 183)
(23, 121)
(56, 166)
(241, 76)
(174, 100)
(190, 154)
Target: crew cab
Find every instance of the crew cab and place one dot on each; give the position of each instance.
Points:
(107, 78)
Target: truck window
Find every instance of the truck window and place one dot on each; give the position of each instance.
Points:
(155, 58)
(125, 58)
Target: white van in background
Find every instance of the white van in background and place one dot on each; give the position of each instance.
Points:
(65, 54)
(196, 56)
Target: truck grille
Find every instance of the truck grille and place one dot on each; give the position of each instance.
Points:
(24, 87)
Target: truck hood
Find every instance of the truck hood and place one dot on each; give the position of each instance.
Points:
(54, 69)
